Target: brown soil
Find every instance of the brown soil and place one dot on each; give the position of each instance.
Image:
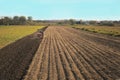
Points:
(70, 54)
(16, 57)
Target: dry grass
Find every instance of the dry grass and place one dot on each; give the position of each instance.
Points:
(10, 34)
(114, 31)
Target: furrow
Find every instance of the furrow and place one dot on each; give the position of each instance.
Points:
(66, 66)
(53, 71)
(35, 65)
(73, 66)
(61, 73)
(75, 58)
(44, 67)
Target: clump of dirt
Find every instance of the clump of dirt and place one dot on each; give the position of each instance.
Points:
(16, 57)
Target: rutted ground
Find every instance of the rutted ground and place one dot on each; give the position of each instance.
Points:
(70, 54)
(16, 57)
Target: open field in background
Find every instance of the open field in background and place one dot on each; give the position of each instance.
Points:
(114, 31)
(9, 34)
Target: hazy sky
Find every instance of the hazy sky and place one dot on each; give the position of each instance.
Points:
(62, 9)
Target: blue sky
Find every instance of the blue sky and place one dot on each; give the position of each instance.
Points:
(62, 9)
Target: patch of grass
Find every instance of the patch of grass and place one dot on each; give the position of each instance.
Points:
(10, 34)
(113, 31)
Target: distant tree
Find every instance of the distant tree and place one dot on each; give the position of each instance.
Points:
(77, 22)
(6, 20)
(92, 22)
(22, 20)
(66, 22)
(16, 20)
(59, 23)
(106, 23)
(1, 21)
(29, 18)
(72, 21)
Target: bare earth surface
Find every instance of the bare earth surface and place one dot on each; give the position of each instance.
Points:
(70, 54)
(16, 57)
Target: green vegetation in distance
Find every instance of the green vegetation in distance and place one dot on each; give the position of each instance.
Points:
(9, 34)
(113, 31)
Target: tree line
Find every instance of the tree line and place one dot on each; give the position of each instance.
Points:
(89, 22)
(16, 20)
(22, 20)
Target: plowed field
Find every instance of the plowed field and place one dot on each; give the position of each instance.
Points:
(16, 57)
(70, 54)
